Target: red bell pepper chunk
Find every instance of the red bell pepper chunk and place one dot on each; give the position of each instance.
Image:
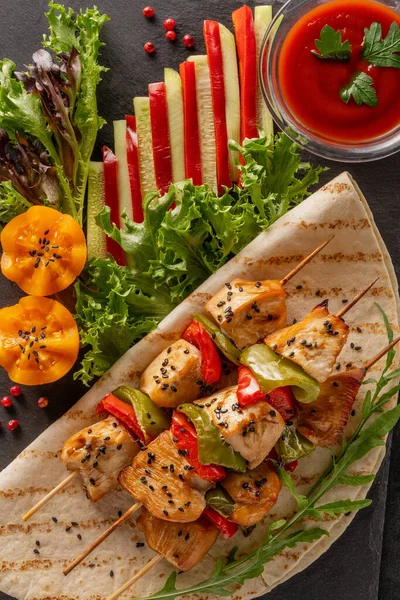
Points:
(289, 467)
(247, 53)
(226, 527)
(215, 62)
(192, 137)
(211, 367)
(248, 389)
(160, 136)
(185, 438)
(132, 155)
(282, 400)
(111, 199)
(123, 411)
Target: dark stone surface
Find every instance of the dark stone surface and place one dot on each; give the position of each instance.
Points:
(352, 569)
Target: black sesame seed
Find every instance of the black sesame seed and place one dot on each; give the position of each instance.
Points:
(36, 551)
(258, 284)
(187, 536)
(299, 287)
(68, 529)
(181, 509)
(351, 345)
(357, 348)
(353, 412)
(165, 513)
(186, 351)
(344, 301)
(335, 384)
(245, 486)
(111, 573)
(37, 543)
(79, 536)
(359, 329)
(54, 519)
(139, 544)
(272, 413)
(92, 481)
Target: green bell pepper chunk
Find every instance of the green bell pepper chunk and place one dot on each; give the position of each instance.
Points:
(213, 450)
(151, 418)
(221, 340)
(292, 445)
(273, 371)
(220, 500)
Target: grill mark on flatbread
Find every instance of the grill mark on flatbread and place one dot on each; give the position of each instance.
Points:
(13, 493)
(337, 292)
(338, 257)
(35, 564)
(50, 527)
(31, 453)
(337, 224)
(337, 187)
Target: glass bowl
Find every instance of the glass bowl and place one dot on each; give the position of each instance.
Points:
(364, 151)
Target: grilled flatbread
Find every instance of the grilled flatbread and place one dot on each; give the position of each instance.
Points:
(355, 257)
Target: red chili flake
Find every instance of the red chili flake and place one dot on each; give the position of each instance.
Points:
(149, 47)
(148, 12)
(188, 40)
(170, 35)
(169, 24)
(15, 390)
(11, 425)
(6, 401)
(43, 402)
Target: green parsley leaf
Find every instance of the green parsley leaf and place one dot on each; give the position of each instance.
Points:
(382, 52)
(361, 89)
(331, 46)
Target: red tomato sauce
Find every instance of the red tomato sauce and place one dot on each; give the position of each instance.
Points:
(311, 86)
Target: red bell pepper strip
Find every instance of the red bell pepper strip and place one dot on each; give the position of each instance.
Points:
(289, 467)
(215, 62)
(185, 438)
(132, 152)
(226, 527)
(160, 135)
(247, 53)
(248, 389)
(211, 367)
(123, 411)
(192, 139)
(111, 199)
(282, 400)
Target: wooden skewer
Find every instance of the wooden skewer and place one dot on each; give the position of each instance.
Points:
(136, 577)
(381, 353)
(305, 261)
(102, 537)
(48, 496)
(360, 295)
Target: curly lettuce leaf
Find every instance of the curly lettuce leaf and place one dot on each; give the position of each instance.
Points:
(11, 202)
(115, 307)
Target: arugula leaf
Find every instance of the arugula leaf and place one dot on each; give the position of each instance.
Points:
(361, 89)
(342, 507)
(331, 46)
(287, 481)
(176, 250)
(382, 52)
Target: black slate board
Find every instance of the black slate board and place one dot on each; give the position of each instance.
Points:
(352, 569)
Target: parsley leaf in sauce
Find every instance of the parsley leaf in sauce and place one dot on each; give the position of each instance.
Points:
(331, 46)
(361, 89)
(382, 52)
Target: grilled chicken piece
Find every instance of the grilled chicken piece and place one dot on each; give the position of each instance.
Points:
(162, 479)
(184, 545)
(323, 421)
(249, 310)
(174, 376)
(252, 431)
(99, 453)
(254, 492)
(314, 343)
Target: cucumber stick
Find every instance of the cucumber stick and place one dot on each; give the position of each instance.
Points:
(206, 121)
(232, 93)
(124, 186)
(262, 20)
(95, 237)
(146, 160)
(173, 87)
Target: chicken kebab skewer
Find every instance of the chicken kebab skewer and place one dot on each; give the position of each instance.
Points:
(263, 424)
(185, 544)
(194, 365)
